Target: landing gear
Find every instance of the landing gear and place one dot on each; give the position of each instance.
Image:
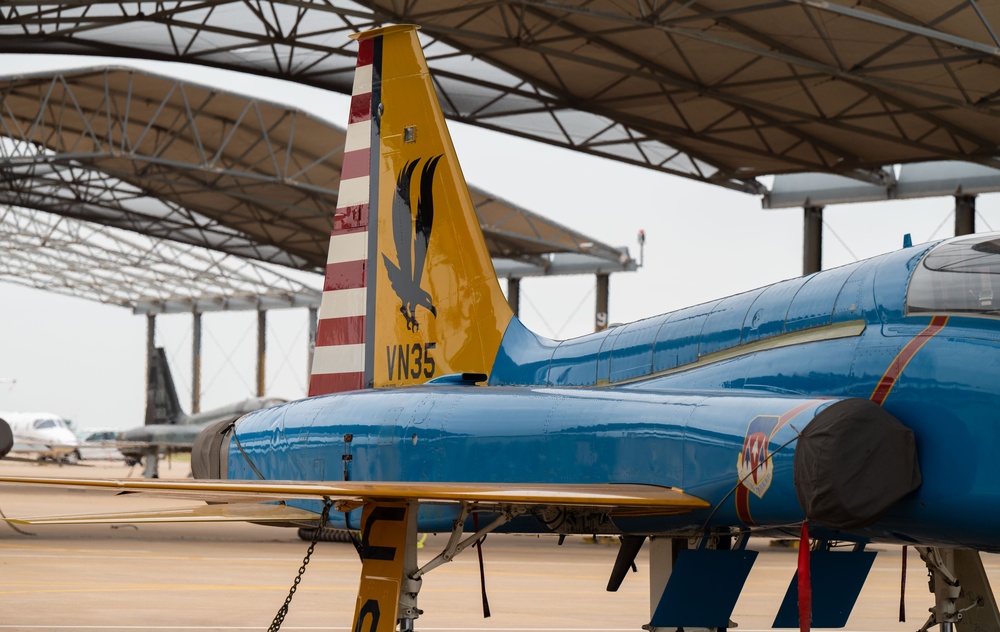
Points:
(390, 578)
(151, 463)
(962, 593)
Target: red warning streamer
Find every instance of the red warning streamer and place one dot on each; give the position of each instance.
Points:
(805, 585)
(902, 590)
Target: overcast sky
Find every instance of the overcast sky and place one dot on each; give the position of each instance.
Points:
(85, 360)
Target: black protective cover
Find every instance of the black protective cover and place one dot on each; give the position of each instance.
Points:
(6, 438)
(853, 461)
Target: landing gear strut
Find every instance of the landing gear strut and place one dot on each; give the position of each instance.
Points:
(390, 577)
(962, 593)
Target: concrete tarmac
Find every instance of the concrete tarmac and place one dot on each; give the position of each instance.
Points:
(236, 576)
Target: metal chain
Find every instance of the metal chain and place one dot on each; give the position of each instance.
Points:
(283, 610)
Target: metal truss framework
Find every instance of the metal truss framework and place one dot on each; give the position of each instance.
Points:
(172, 160)
(514, 234)
(125, 149)
(71, 190)
(718, 91)
(147, 274)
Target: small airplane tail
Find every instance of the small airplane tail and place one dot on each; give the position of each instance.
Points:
(410, 292)
(162, 403)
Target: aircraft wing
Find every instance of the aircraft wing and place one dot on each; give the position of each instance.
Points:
(228, 512)
(141, 446)
(615, 497)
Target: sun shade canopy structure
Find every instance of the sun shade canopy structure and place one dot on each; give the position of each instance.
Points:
(146, 274)
(201, 171)
(722, 92)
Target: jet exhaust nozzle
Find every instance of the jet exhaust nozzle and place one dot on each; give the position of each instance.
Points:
(206, 454)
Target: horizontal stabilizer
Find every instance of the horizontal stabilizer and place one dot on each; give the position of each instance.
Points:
(703, 588)
(663, 500)
(246, 512)
(837, 580)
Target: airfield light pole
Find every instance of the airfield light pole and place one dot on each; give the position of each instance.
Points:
(812, 253)
(965, 214)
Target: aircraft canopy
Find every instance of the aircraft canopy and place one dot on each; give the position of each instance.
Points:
(960, 275)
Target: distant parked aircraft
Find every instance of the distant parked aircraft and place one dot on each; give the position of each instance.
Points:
(41, 434)
(98, 444)
(168, 428)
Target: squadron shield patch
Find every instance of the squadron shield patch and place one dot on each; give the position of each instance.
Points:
(754, 468)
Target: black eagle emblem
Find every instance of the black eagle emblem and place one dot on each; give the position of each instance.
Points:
(411, 235)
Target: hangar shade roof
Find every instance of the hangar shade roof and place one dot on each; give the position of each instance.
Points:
(173, 160)
(149, 275)
(719, 91)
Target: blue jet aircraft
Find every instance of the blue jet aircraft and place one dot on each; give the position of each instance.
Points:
(854, 405)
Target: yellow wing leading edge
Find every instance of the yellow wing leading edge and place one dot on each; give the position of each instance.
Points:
(390, 579)
(611, 496)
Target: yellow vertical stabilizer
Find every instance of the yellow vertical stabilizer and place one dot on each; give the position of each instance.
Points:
(410, 291)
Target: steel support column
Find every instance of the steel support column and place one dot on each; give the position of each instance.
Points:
(514, 294)
(311, 341)
(261, 349)
(601, 313)
(965, 214)
(150, 339)
(150, 350)
(812, 242)
(196, 362)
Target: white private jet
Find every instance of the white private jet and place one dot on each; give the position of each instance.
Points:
(43, 434)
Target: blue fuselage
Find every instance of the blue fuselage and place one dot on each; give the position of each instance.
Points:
(672, 401)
